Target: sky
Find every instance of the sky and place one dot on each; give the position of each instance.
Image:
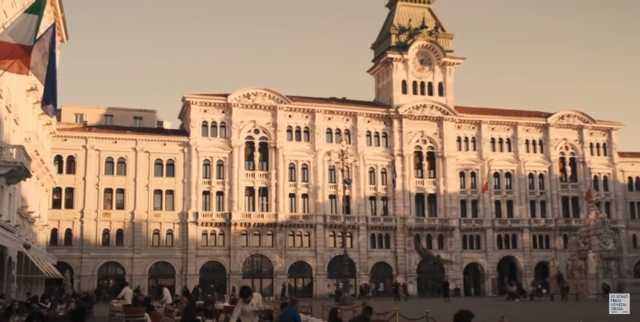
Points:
(545, 55)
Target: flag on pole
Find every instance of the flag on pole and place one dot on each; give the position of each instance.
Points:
(45, 69)
(485, 185)
(17, 41)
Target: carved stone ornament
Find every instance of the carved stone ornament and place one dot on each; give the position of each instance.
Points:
(426, 109)
(258, 96)
(571, 118)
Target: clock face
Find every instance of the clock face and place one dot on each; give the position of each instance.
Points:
(422, 63)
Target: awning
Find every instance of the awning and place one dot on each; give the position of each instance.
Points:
(47, 269)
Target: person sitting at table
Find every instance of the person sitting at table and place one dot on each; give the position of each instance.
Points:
(126, 295)
(248, 306)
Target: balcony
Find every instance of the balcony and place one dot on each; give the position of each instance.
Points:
(214, 216)
(301, 218)
(471, 223)
(256, 217)
(506, 223)
(541, 223)
(570, 222)
(440, 223)
(381, 220)
(15, 163)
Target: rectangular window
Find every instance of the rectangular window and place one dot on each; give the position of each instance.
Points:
(206, 201)
(293, 208)
(249, 199)
(107, 200)
(566, 207)
(305, 203)
(333, 204)
(373, 206)
(497, 208)
(79, 118)
(463, 208)
(220, 201)
(108, 119)
(509, 208)
(120, 199)
(68, 198)
(137, 121)
(157, 200)
(532, 208)
(543, 208)
(575, 207)
(432, 203)
(475, 209)
(346, 205)
(169, 200)
(420, 205)
(385, 206)
(263, 193)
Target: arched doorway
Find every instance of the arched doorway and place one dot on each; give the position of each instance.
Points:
(111, 278)
(161, 274)
(213, 277)
(541, 273)
(342, 270)
(473, 275)
(431, 275)
(300, 280)
(636, 270)
(381, 279)
(257, 272)
(508, 273)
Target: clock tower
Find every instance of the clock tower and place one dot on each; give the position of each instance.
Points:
(413, 56)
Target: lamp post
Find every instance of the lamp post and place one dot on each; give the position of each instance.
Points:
(344, 160)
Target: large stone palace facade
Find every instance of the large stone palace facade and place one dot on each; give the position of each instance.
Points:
(265, 189)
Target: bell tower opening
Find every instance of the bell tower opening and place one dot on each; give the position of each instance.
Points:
(414, 59)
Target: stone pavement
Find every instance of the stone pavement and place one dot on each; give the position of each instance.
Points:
(488, 309)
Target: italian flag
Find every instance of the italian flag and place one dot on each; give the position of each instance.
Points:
(18, 40)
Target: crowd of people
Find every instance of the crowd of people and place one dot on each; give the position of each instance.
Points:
(47, 308)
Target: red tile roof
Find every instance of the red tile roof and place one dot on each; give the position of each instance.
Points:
(334, 100)
(491, 111)
(127, 130)
(629, 154)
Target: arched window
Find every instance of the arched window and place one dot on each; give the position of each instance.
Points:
(499, 242)
(220, 170)
(171, 169)
(332, 174)
(508, 181)
(158, 168)
(383, 176)
(329, 136)
(466, 143)
(347, 137)
(106, 238)
(107, 199)
(430, 88)
(441, 89)
(418, 164)
(532, 182)
(592, 149)
(121, 169)
(429, 241)
(256, 239)
(169, 200)
(108, 166)
(596, 183)
(605, 183)
(168, 241)
(292, 172)
(463, 180)
(306, 135)
(372, 176)
(440, 242)
(71, 165)
(53, 237)
(474, 180)
(69, 198)
(431, 164)
(380, 241)
(338, 136)
(157, 199)
(423, 89)
(474, 145)
(369, 138)
(541, 182)
(206, 169)
(204, 240)
(205, 129)
(219, 201)
(459, 143)
(493, 144)
(155, 238)
(244, 238)
(289, 133)
(637, 183)
(527, 149)
(598, 149)
(68, 237)
(58, 163)
(349, 240)
(214, 129)
(541, 146)
(372, 241)
(298, 134)
(634, 241)
(385, 140)
(405, 89)
(497, 185)
(56, 198)
(119, 238)
(305, 173)
(605, 152)
(630, 184)
(223, 130)
(414, 86)
(500, 145)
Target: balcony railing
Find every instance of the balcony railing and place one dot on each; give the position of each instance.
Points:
(509, 222)
(15, 163)
(218, 216)
(541, 222)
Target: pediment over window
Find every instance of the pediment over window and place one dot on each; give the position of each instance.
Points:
(427, 109)
(571, 118)
(258, 96)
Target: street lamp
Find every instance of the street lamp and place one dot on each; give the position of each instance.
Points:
(344, 159)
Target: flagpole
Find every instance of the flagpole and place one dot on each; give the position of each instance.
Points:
(21, 11)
